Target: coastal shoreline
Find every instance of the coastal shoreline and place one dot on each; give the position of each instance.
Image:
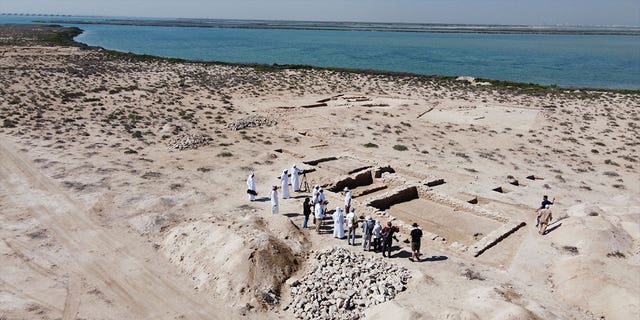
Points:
(123, 190)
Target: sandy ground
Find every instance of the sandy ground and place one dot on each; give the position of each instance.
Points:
(102, 219)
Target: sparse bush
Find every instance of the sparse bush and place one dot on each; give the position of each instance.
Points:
(7, 123)
(616, 254)
(400, 147)
(225, 154)
(370, 145)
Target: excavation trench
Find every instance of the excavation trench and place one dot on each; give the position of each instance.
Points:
(396, 198)
(360, 180)
(321, 160)
(451, 224)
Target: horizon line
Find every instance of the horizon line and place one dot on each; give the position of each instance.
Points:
(334, 21)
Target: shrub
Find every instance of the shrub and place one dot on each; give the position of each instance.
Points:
(400, 147)
(370, 145)
(225, 154)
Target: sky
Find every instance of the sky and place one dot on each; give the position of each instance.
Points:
(540, 12)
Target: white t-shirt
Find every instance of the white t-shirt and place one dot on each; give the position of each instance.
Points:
(350, 218)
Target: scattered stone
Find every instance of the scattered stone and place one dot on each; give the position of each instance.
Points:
(341, 284)
(189, 140)
(251, 122)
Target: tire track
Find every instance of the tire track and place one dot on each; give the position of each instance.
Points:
(110, 258)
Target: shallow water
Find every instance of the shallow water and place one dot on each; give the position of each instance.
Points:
(602, 61)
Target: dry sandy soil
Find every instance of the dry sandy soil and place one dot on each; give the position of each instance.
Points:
(102, 218)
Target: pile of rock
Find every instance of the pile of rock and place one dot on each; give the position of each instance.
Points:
(189, 140)
(341, 284)
(250, 122)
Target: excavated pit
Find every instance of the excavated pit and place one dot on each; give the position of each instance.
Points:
(447, 222)
(359, 169)
(500, 190)
(378, 172)
(318, 161)
(396, 198)
(434, 183)
(360, 180)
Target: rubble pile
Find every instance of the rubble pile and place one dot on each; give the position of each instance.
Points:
(189, 140)
(341, 284)
(250, 122)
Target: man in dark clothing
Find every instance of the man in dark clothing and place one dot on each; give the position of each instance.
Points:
(416, 236)
(306, 211)
(388, 234)
(544, 204)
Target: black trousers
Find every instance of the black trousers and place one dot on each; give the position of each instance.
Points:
(386, 246)
(377, 244)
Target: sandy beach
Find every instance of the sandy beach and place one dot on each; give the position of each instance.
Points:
(123, 194)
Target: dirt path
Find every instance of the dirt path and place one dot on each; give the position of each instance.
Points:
(129, 273)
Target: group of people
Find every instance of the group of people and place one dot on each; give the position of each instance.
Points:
(284, 183)
(374, 236)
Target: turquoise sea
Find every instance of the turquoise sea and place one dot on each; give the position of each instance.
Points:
(569, 59)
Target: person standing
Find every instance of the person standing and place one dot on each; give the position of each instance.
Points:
(352, 224)
(306, 212)
(338, 224)
(347, 199)
(284, 180)
(295, 178)
(377, 236)
(416, 237)
(544, 204)
(367, 232)
(388, 235)
(274, 199)
(251, 188)
(323, 200)
(314, 200)
(318, 214)
(545, 217)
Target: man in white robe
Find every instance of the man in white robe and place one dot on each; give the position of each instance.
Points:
(318, 214)
(323, 201)
(274, 199)
(284, 179)
(338, 224)
(251, 185)
(295, 178)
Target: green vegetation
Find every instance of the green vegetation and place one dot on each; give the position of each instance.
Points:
(400, 147)
(225, 154)
(370, 145)
(63, 37)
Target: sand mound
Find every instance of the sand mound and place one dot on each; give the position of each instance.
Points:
(596, 274)
(591, 235)
(241, 263)
(498, 303)
(608, 288)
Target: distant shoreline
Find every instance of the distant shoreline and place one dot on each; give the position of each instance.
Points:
(65, 36)
(357, 26)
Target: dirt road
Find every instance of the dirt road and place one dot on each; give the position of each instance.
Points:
(133, 279)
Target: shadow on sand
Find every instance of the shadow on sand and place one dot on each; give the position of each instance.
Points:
(549, 230)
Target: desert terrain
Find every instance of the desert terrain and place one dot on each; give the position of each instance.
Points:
(123, 194)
